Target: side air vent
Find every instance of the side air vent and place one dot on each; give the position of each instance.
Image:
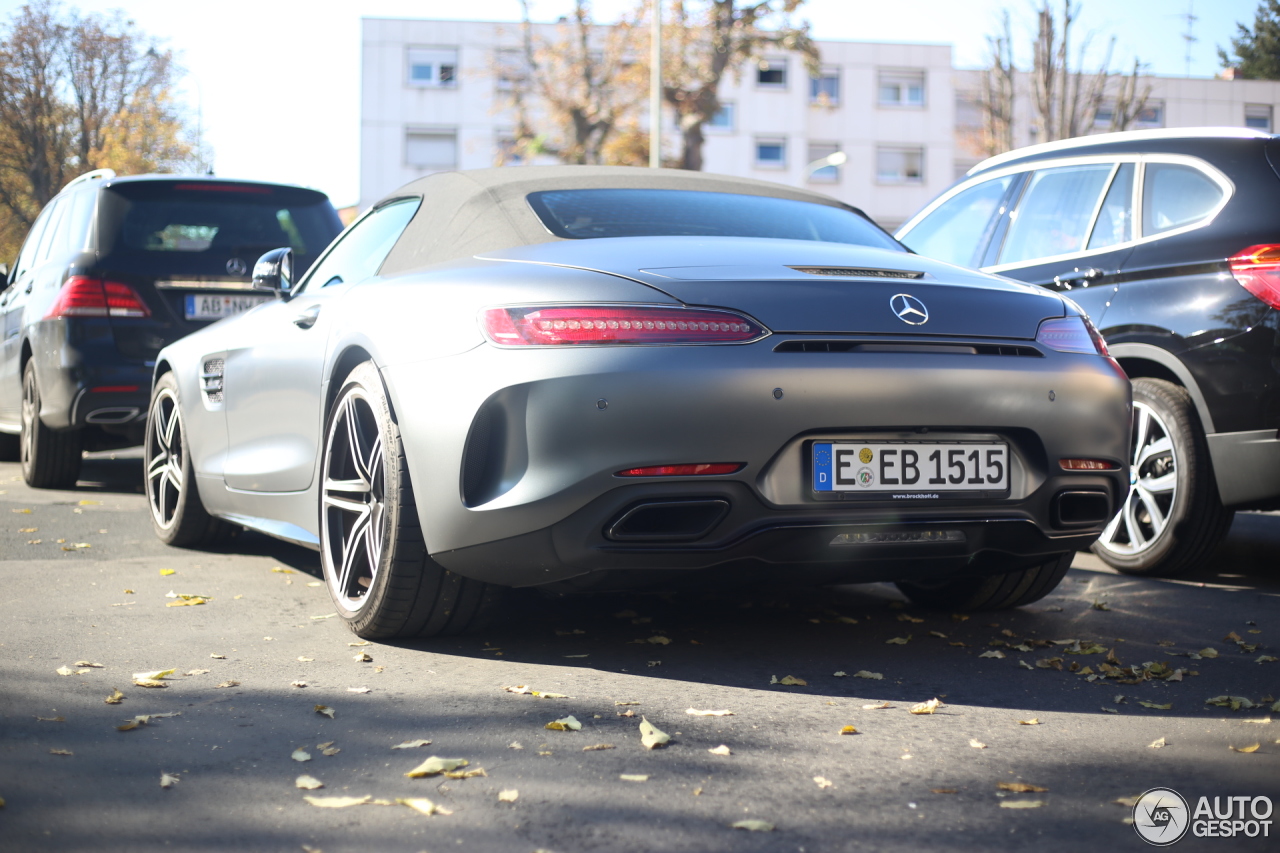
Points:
(858, 272)
(211, 380)
(908, 347)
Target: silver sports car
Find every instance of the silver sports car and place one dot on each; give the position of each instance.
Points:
(591, 377)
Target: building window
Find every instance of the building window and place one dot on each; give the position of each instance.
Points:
(1104, 116)
(512, 72)
(435, 150)
(434, 67)
(900, 165)
(772, 74)
(1152, 115)
(819, 151)
(901, 88)
(1258, 117)
(771, 153)
(725, 118)
(824, 90)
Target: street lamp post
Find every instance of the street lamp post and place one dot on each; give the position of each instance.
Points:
(655, 89)
(837, 158)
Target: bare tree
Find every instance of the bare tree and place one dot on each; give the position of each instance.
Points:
(707, 39)
(78, 93)
(1065, 99)
(575, 89)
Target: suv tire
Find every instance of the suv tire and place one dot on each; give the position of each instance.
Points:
(997, 592)
(1172, 517)
(50, 459)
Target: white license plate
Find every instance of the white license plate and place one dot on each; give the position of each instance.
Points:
(213, 306)
(917, 469)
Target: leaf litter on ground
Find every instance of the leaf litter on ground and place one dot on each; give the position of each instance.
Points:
(651, 736)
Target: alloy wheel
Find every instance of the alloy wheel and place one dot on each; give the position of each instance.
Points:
(30, 418)
(165, 451)
(353, 501)
(1153, 487)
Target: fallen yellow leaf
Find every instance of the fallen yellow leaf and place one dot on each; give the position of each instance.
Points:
(898, 641)
(338, 802)
(788, 681)
(634, 777)
(465, 774)
(508, 796)
(308, 783)
(61, 752)
(423, 805)
(1157, 744)
(597, 746)
(879, 706)
(326, 710)
(115, 698)
(993, 653)
(168, 780)
(1021, 804)
(927, 707)
(300, 755)
(1034, 721)
(862, 673)
(650, 736)
(753, 825)
(1250, 748)
(822, 782)
(167, 572)
(976, 744)
(564, 724)
(720, 750)
(1021, 787)
(363, 657)
(412, 744)
(848, 730)
(435, 765)
(1146, 704)
(696, 713)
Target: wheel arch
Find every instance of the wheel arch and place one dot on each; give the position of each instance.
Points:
(1151, 362)
(342, 365)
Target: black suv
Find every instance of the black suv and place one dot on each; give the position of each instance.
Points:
(1170, 240)
(112, 270)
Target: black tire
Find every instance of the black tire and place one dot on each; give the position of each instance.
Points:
(372, 549)
(10, 447)
(50, 458)
(178, 516)
(997, 592)
(1172, 518)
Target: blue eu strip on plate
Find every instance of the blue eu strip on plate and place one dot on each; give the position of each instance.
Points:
(822, 467)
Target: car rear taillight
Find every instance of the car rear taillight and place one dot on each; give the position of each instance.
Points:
(695, 470)
(1071, 334)
(82, 296)
(1257, 268)
(615, 324)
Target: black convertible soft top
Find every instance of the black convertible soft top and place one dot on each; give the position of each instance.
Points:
(483, 210)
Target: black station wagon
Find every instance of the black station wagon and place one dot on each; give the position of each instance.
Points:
(1170, 240)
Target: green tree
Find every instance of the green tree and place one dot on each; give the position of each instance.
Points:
(1256, 52)
(79, 93)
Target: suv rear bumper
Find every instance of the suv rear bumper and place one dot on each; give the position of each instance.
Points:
(1246, 465)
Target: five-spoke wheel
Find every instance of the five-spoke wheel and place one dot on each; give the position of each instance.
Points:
(177, 514)
(50, 458)
(372, 552)
(1171, 518)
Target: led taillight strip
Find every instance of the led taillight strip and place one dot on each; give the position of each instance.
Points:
(578, 325)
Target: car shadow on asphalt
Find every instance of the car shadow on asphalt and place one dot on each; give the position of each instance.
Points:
(868, 641)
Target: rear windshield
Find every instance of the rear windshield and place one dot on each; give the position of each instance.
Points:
(583, 214)
(193, 225)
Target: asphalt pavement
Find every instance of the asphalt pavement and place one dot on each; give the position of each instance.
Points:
(1082, 707)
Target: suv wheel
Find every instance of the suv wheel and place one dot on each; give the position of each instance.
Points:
(50, 460)
(1172, 518)
(997, 592)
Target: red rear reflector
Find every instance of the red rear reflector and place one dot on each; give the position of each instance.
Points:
(1257, 268)
(700, 469)
(225, 188)
(1088, 465)
(90, 297)
(609, 324)
(114, 389)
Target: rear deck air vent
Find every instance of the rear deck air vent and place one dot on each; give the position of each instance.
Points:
(859, 272)
(939, 348)
(211, 380)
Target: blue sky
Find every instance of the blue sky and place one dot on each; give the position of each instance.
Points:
(277, 81)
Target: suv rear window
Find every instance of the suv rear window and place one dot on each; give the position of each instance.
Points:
(584, 214)
(203, 224)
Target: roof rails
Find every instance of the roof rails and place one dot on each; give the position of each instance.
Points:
(95, 175)
(1121, 136)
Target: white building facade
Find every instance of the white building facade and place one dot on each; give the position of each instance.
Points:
(432, 99)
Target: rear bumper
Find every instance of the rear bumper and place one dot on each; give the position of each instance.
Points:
(819, 544)
(1246, 465)
(83, 379)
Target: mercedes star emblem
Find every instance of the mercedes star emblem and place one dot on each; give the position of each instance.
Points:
(909, 310)
(235, 266)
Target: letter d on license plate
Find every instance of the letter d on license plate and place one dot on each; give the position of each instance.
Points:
(978, 468)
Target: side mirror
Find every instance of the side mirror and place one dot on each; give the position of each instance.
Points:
(274, 272)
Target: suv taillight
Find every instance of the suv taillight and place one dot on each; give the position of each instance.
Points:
(1257, 268)
(561, 325)
(82, 296)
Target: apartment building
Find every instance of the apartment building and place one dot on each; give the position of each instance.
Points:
(433, 98)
